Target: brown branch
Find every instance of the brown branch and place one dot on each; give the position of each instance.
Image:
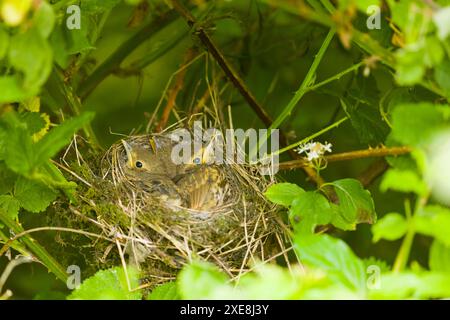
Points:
(236, 80)
(179, 82)
(376, 169)
(227, 68)
(359, 154)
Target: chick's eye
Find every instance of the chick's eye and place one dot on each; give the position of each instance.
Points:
(197, 161)
(138, 164)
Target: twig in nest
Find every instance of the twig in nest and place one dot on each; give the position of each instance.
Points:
(179, 80)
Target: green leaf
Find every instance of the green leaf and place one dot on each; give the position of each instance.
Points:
(10, 205)
(12, 90)
(44, 19)
(167, 291)
(434, 221)
(391, 227)
(439, 257)
(442, 76)
(33, 121)
(199, 280)
(4, 42)
(20, 155)
(367, 121)
(109, 284)
(409, 285)
(334, 257)
(410, 67)
(7, 178)
(60, 136)
(403, 181)
(30, 53)
(355, 203)
(33, 196)
(283, 193)
(308, 210)
(414, 124)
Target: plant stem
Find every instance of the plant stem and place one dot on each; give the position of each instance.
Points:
(34, 247)
(227, 68)
(403, 254)
(351, 155)
(309, 138)
(306, 82)
(336, 76)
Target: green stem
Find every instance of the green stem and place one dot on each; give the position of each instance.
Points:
(336, 76)
(34, 247)
(309, 138)
(306, 82)
(403, 254)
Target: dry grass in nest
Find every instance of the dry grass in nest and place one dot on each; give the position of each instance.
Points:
(147, 233)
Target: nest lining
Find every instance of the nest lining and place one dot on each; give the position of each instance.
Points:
(158, 238)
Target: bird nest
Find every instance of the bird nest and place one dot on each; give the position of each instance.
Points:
(136, 227)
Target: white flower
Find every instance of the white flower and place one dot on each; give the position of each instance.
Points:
(314, 150)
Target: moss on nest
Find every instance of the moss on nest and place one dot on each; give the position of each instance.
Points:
(157, 238)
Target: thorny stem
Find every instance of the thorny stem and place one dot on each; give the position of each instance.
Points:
(307, 81)
(234, 78)
(345, 156)
(363, 40)
(309, 138)
(228, 69)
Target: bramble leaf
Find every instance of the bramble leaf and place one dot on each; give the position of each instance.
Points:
(109, 284)
(391, 227)
(283, 193)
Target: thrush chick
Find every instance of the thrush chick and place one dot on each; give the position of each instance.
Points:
(202, 187)
(146, 171)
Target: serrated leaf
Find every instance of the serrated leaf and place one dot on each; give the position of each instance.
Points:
(167, 291)
(309, 210)
(20, 155)
(283, 193)
(391, 227)
(7, 178)
(367, 122)
(109, 284)
(355, 203)
(439, 257)
(10, 205)
(434, 221)
(33, 196)
(403, 181)
(334, 257)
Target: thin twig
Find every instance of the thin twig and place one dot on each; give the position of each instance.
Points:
(345, 156)
(179, 81)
